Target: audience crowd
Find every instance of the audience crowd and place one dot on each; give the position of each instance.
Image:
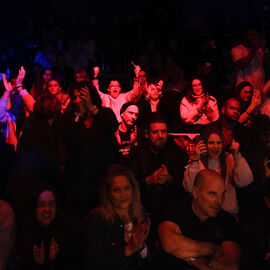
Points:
(95, 168)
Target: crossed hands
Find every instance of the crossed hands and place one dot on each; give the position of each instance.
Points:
(138, 237)
(39, 253)
(160, 176)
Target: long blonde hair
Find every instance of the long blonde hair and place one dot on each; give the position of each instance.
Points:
(106, 208)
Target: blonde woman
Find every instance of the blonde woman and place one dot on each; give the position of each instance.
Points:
(116, 231)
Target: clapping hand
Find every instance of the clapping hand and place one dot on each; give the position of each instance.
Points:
(54, 249)
(8, 85)
(39, 253)
(138, 237)
(20, 78)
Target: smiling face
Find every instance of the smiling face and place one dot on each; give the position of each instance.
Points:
(114, 89)
(46, 208)
(197, 87)
(246, 94)
(54, 87)
(208, 197)
(214, 145)
(121, 193)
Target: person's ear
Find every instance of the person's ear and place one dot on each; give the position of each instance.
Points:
(195, 192)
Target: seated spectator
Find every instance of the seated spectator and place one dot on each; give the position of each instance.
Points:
(158, 164)
(249, 99)
(116, 232)
(54, 88)
(231, 128)
(13, 104)
(255, 236)
(198, 107)
(197, 233)
(41, 83)
(126, 135)
(209, 153)
(115, 100)
(7, 233)
(46, 240)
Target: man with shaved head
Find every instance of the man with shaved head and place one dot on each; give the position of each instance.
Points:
(196, 233)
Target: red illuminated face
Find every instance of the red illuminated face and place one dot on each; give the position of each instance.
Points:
(114, 89)
(81, 76)
(121, 193)
(197, 87)
(157, 135)
(153, 92)
(246, 94)
(54, 87)
(142, 77)
(209, 198)
(46, 208)
(130, 115)
(232, 110)
(47, 75)
(214, 146)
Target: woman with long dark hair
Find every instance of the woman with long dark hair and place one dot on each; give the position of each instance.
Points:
(46, 240)
(210, 154)
(198, 107)
(116, 231)
(249, 99)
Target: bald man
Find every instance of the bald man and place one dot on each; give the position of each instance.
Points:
(196, 233)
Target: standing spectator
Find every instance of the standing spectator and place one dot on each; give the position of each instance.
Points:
(115, 100)
(210, 154)
(248, 58)
(249, 99)
(41, 83)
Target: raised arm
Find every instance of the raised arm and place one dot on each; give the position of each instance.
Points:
(242, 174)
(135, 93)
(255, 102)
(5, 98)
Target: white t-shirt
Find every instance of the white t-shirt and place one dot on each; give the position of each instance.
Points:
(254, 72)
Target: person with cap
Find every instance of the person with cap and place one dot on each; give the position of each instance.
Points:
(126, 135)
